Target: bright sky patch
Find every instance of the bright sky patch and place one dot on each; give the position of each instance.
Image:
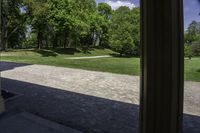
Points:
(117, 4)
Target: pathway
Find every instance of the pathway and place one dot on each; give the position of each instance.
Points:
(89, 57)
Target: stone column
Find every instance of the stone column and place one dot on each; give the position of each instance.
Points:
(162, 66)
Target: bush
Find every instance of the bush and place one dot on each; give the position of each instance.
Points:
(30, 41)
(122, 44)
(196, 49)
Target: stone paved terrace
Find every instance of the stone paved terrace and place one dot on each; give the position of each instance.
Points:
(29, 123)
(93, 102)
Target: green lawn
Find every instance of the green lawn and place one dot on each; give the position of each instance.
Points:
(130, 66)
(192, 69)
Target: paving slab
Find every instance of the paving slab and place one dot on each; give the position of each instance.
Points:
(29, 123)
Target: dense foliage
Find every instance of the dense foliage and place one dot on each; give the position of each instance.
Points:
(68, 24)
(124, 31)
(12, 23)
(77, 23)
(192, 40)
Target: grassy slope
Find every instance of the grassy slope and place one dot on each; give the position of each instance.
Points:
(129, 66)
(57, 52)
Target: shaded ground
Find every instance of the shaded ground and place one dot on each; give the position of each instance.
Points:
(29, 123)
(93, 102)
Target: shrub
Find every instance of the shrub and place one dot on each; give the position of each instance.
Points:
(196, 49)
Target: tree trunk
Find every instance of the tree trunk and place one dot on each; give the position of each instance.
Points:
(99, 41)
(1, 47)
(6, 37)
(4, 34)
(65, 42)
(47, 42)
(55, 41)
(39, 39)
(93, 39)
(69, 42)
(4, 25)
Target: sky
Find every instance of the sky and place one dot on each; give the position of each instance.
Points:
(191, 8)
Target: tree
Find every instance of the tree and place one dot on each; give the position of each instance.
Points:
(192, 39)
(105, 12)
(38, 12)
(124, 33)
(4, 23)
(61, 19)
(69, 23)
(194, 27)
(85, 14)
(135, 21)
(12, 23)
(16, 26)
(192, 31)
(188, 51)
(196, 49)
(1, 35)
(121, 40)
(75, 20)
